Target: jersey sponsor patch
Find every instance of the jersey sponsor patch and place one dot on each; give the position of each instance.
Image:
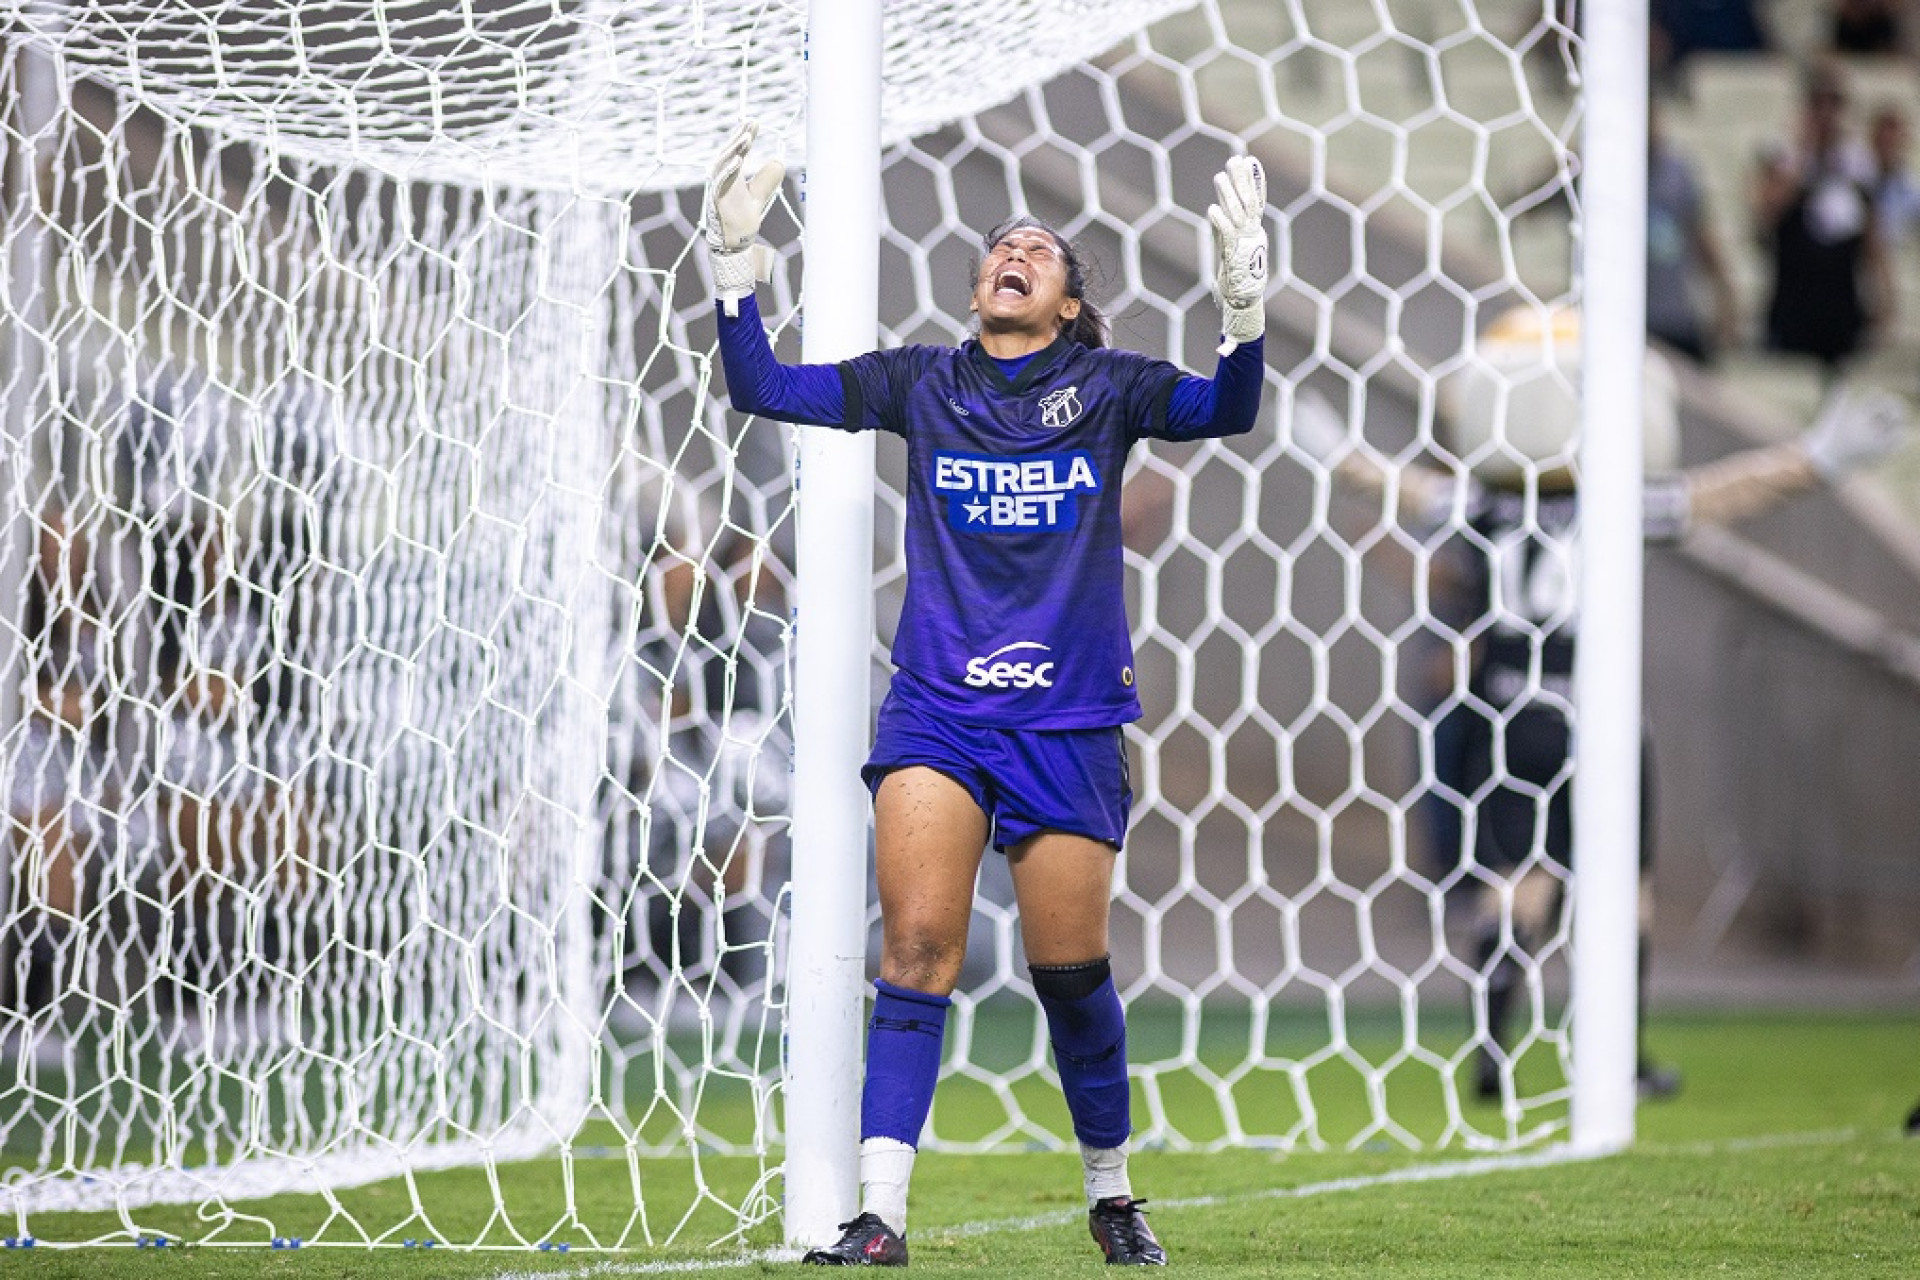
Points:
(1031, 667)
(1030, 493)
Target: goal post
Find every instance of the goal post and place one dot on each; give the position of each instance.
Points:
(1607, 692)
(833, 633)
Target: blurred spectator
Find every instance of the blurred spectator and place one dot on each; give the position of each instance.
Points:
(1684, 257)
(46, 841)
(1683, 254)
(236, 820)
(58, 796)
(710, 762)
(1896, 196)
(1866, 26)
(1709, 26)
(1813, 208)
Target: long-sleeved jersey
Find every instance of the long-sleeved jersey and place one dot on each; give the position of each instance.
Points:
(1015, 613)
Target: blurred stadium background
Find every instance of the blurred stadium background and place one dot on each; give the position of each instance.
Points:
(1783, 656)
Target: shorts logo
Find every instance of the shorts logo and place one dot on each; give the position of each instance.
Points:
(993, 672)
(1031, 493)
(1059, 408)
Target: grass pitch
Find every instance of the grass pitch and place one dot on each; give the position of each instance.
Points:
(1782, 1156)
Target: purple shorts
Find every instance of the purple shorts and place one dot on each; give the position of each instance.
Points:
(1025, 780)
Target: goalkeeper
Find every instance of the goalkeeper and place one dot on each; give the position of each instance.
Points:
(1014, 662)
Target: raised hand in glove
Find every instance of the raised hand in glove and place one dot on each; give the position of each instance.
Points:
(1855, 429)
(739, 194)
(1240, 251)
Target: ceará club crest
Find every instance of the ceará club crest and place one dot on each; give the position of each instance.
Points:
(1059, 408)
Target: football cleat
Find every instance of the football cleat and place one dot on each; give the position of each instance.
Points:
(864, 1242)
(1654, 1083)
(1119, 1225)
(1486, 1076)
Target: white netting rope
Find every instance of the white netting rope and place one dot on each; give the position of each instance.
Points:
(395, 725)
(595, 95)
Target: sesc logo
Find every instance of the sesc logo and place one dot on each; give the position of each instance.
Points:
(992, 673)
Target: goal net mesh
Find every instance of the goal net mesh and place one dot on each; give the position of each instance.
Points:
(394, 619)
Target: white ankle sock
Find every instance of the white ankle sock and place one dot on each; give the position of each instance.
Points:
(1105, 1169)
(886, 1166)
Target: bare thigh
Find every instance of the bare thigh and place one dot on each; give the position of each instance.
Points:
(1064, 886)
(928, 839)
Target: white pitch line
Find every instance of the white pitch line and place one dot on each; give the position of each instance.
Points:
(1360, 1182)
(1764, 1142)
(1415, 1173)
(656, 1268)
(1441, 1172)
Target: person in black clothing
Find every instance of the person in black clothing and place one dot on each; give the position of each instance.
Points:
(1503, 753)
(1866, 27)
(1814, 208)
(1709, 26)
(726, 771)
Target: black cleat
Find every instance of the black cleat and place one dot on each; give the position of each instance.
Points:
(1486, 1077)
(1656, 1083)
(1913, 1122)
(865, 1242)
(1119, 1225)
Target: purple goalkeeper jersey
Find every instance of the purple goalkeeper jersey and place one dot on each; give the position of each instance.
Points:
(1015, 613)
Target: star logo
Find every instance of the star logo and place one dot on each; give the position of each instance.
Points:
(975, 511)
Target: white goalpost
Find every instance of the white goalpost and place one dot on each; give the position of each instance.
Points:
(833, 635)
(1607, 690)
(430, 718)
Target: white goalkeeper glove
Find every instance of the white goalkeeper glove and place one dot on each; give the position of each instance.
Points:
(737, 201)
(1240, 251)
(1855, 429)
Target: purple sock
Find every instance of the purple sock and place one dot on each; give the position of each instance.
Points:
(903, 1062)
(1088, 1028)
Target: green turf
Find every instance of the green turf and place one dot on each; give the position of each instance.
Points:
(1781, 1157)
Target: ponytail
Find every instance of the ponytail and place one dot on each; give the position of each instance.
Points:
(1090, 328)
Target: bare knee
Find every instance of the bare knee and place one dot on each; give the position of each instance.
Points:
(920, 958)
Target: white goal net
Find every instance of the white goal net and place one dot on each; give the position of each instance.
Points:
(394, 618)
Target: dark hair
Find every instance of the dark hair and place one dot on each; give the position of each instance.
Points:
(1089, 328)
